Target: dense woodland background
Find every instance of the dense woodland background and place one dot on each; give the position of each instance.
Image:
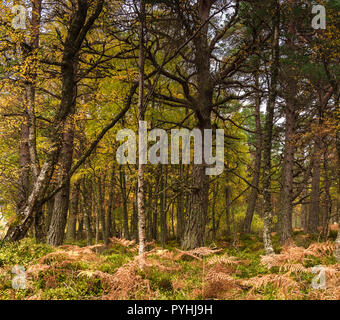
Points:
(84, 69)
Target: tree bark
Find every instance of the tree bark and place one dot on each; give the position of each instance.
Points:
(141, 115)
(257, 165)
(286, 205)
(195, 224)
(101, 197)
(268, 132)
(24, 163)
(314, 207)
(337, 242)
(74, 210)
(56, 232)
(110, 225)
(122, 180)
(163, 206)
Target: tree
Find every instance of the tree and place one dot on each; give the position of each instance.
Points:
(268, 130)
(141, 118)
(79, 26)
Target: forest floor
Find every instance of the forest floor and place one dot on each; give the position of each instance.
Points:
(223, 270)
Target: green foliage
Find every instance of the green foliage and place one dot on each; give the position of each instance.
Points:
(22, 252)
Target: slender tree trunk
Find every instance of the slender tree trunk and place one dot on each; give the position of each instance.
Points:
(122, 180)
(110, 225)
(180, 207)
(72, 220)
(304, 210)
(327, 200)
(163, 206)
(337, 242)
(287, 175)
(268, 132)
(314, 207)
(30, 112)
(286, 205)
(101, 208)
(87, 201)
(213, 213)
(24, 162)
(141, 112)
(155, 206)
(49, 212)
(134, 221)
(257, 165)
(81, 216)
(149, 214)
(227, 208)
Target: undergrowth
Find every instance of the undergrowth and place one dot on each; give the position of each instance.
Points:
(223, 270)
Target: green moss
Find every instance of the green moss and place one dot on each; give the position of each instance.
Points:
(22, 252)
(159, 280)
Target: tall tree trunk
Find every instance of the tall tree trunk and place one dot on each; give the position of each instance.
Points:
(195, 224)
(110, 225)
(304, 209)
(72, 220)
(30, 80)
(257, 165)
(24, 163)
(287, 174)
(327, 212)
(149, 214)
(122, 179)
(101, 197)
(213, 212)
(286, 205)
(337, 242)
(314, 207)
(268, 132)
(56, 232)
(141, 115)
(79, 233)
(227, 208)
(163, 206)
(155, 205)
(180, 208)
(87, 201)
(134, 221)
